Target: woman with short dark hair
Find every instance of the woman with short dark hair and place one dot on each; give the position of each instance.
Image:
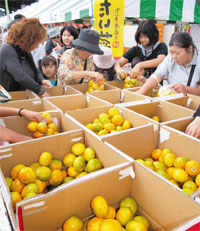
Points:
(17, 68)
(148, 53)
(181, 66)
(67, 35)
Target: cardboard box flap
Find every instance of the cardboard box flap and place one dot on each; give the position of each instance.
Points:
(132, 96)
(21, 95)
(169, 207)
(38, 105)
(68, 102)
(193, 101)
(93, 101)
(111, 96)
(133, 145)
(86, 115)
(180, 144)
(148, 109)
(182, 101)
(164, 110)
(179, 124)
(58, 207)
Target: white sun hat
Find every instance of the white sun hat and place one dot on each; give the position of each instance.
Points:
(104, 61)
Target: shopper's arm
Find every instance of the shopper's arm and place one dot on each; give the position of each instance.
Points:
(30, 115)
(11, 136)
(147, 64)
(152, 82)
(118, 67)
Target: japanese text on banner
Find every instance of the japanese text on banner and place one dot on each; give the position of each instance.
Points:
(109, 21)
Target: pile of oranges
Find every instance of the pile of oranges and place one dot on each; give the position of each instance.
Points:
(108, 218)
(43, 128)
(48, 172)
(130, 83)
(94, 86)
(109, 122)
(179, 170)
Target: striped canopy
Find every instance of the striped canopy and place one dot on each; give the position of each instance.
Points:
(172, 10)
(67, 10)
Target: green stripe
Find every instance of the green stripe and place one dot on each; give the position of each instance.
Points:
(197, 13)
(68, 16)
(176, 8)
(68, 8)
(84, 13)
(147, 8)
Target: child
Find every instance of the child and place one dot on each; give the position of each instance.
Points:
(48, 67)
(104, 64)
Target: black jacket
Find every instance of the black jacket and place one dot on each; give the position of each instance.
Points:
(17, 74)
(197, 113)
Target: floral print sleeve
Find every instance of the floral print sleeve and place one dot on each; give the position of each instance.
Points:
(71, 62)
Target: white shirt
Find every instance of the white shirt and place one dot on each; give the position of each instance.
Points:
(179, 73)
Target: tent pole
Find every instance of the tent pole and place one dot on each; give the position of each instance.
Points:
(92, 13)
(7, 10)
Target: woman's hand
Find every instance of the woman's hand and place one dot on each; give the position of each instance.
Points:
(47, 84)
(122, 73)
(141, 78)
(96, 76)
(45, 94)
(32, 116)
(193, 128)
(179, 88)
(136, 71)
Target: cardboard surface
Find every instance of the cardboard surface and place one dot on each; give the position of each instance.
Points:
(120, 84)
(56, 204)
(179, 143)
(21, 95)
(83, 117)
(19, 124)
(59, 90)
(150, 93)
(164, 110)
(189, 101)
(38, 105)
(73, 102)
(83, 88)
(116, 96)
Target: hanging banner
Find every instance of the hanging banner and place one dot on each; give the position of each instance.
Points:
(109, 22)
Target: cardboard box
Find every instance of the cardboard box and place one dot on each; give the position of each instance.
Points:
(150, 93)
(164, 206)
(21, 95)
(83, 117)
(164, 110)
(59, 90)
(189, 101)
(83, 87)
(19, 124)
(38, 105)
(36, 213)
(120, 84)
(139, 143)
(118, 96)
(180, 126)
(73, 102)
(139, 146)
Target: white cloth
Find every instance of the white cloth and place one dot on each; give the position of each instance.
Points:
(38, 53)
(179, 73)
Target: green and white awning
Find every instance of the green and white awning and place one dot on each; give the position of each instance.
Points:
(68, 10)
(172, 10)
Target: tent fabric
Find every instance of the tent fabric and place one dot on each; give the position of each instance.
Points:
(53, 11)
(170, 10)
